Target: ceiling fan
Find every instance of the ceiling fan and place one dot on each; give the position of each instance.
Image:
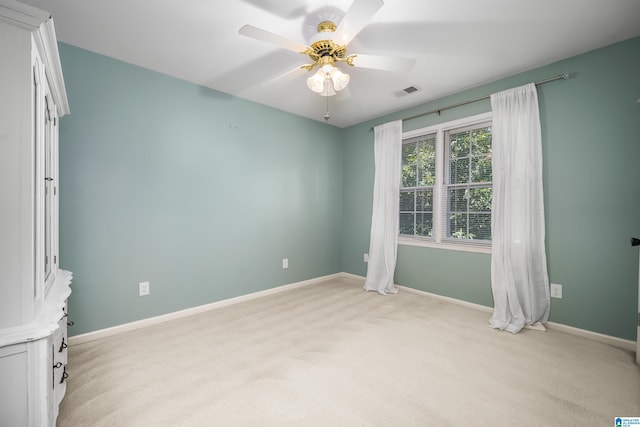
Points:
(328, 47)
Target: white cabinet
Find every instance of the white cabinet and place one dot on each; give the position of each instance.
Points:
(33, 290)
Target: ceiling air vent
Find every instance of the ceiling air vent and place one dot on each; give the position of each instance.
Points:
(408, 90)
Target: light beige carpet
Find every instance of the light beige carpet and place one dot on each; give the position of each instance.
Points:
(331, 354)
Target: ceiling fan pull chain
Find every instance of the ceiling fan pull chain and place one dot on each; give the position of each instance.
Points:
(327, 116)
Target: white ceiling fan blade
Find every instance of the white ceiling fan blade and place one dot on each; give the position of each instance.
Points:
(287, 77)
(358, 15)
(266, 36)
(386, 63)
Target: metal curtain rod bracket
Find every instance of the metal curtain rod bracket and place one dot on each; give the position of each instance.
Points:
(563, 76)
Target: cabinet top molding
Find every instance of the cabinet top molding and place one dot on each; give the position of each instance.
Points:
(22, 15)
(41, 23)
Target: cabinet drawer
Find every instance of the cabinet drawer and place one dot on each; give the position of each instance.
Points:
(59, 353)
(59, 357)
(60, 341)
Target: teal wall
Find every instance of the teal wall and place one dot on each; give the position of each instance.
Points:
(199, 193)
(591, 148)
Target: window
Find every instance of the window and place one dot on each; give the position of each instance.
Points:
(446, 188)
(417, 185)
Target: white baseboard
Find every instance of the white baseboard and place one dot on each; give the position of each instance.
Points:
(449, 299)
(595, 336)
(351, 276)
(103, 333)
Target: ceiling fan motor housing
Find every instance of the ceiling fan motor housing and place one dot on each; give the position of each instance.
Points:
(323, 47)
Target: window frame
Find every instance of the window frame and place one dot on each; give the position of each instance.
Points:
(439, 239)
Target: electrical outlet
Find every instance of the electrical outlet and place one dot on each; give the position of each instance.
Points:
(285, 262)
(366, 257)
(556, 291)
(143, 289)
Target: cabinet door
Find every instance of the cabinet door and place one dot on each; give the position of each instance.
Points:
(49, 189)
(37, 105)
(46, 177)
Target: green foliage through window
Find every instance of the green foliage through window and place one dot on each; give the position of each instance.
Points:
(468, 183)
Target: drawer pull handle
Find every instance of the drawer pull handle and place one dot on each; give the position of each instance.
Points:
(63, 345)
(65, 375)
(58, 365)
(70, 323)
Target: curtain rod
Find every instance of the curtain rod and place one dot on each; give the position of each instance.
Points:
(563, 76)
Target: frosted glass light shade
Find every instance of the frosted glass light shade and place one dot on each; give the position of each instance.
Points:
(340, 79)
(316, 82)
(328, 88)
(328, 83)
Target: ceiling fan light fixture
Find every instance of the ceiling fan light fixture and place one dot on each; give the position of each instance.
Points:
(340, 79)
(328, 89)
(316, 82)
(329, 79)
(328, 47)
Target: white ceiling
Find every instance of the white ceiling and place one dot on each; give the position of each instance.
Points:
(458, 44)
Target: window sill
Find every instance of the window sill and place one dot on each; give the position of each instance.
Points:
(465, 247)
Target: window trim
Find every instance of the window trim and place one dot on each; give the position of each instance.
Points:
(440, 241)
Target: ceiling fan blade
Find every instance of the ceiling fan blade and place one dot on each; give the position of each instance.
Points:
(386, 63)
(266, 36)
(286, 77)
(358, 15)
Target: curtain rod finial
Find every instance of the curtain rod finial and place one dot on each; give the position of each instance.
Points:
(565, 76)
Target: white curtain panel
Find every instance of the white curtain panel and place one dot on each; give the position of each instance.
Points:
(383, 245)
(519, 279)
